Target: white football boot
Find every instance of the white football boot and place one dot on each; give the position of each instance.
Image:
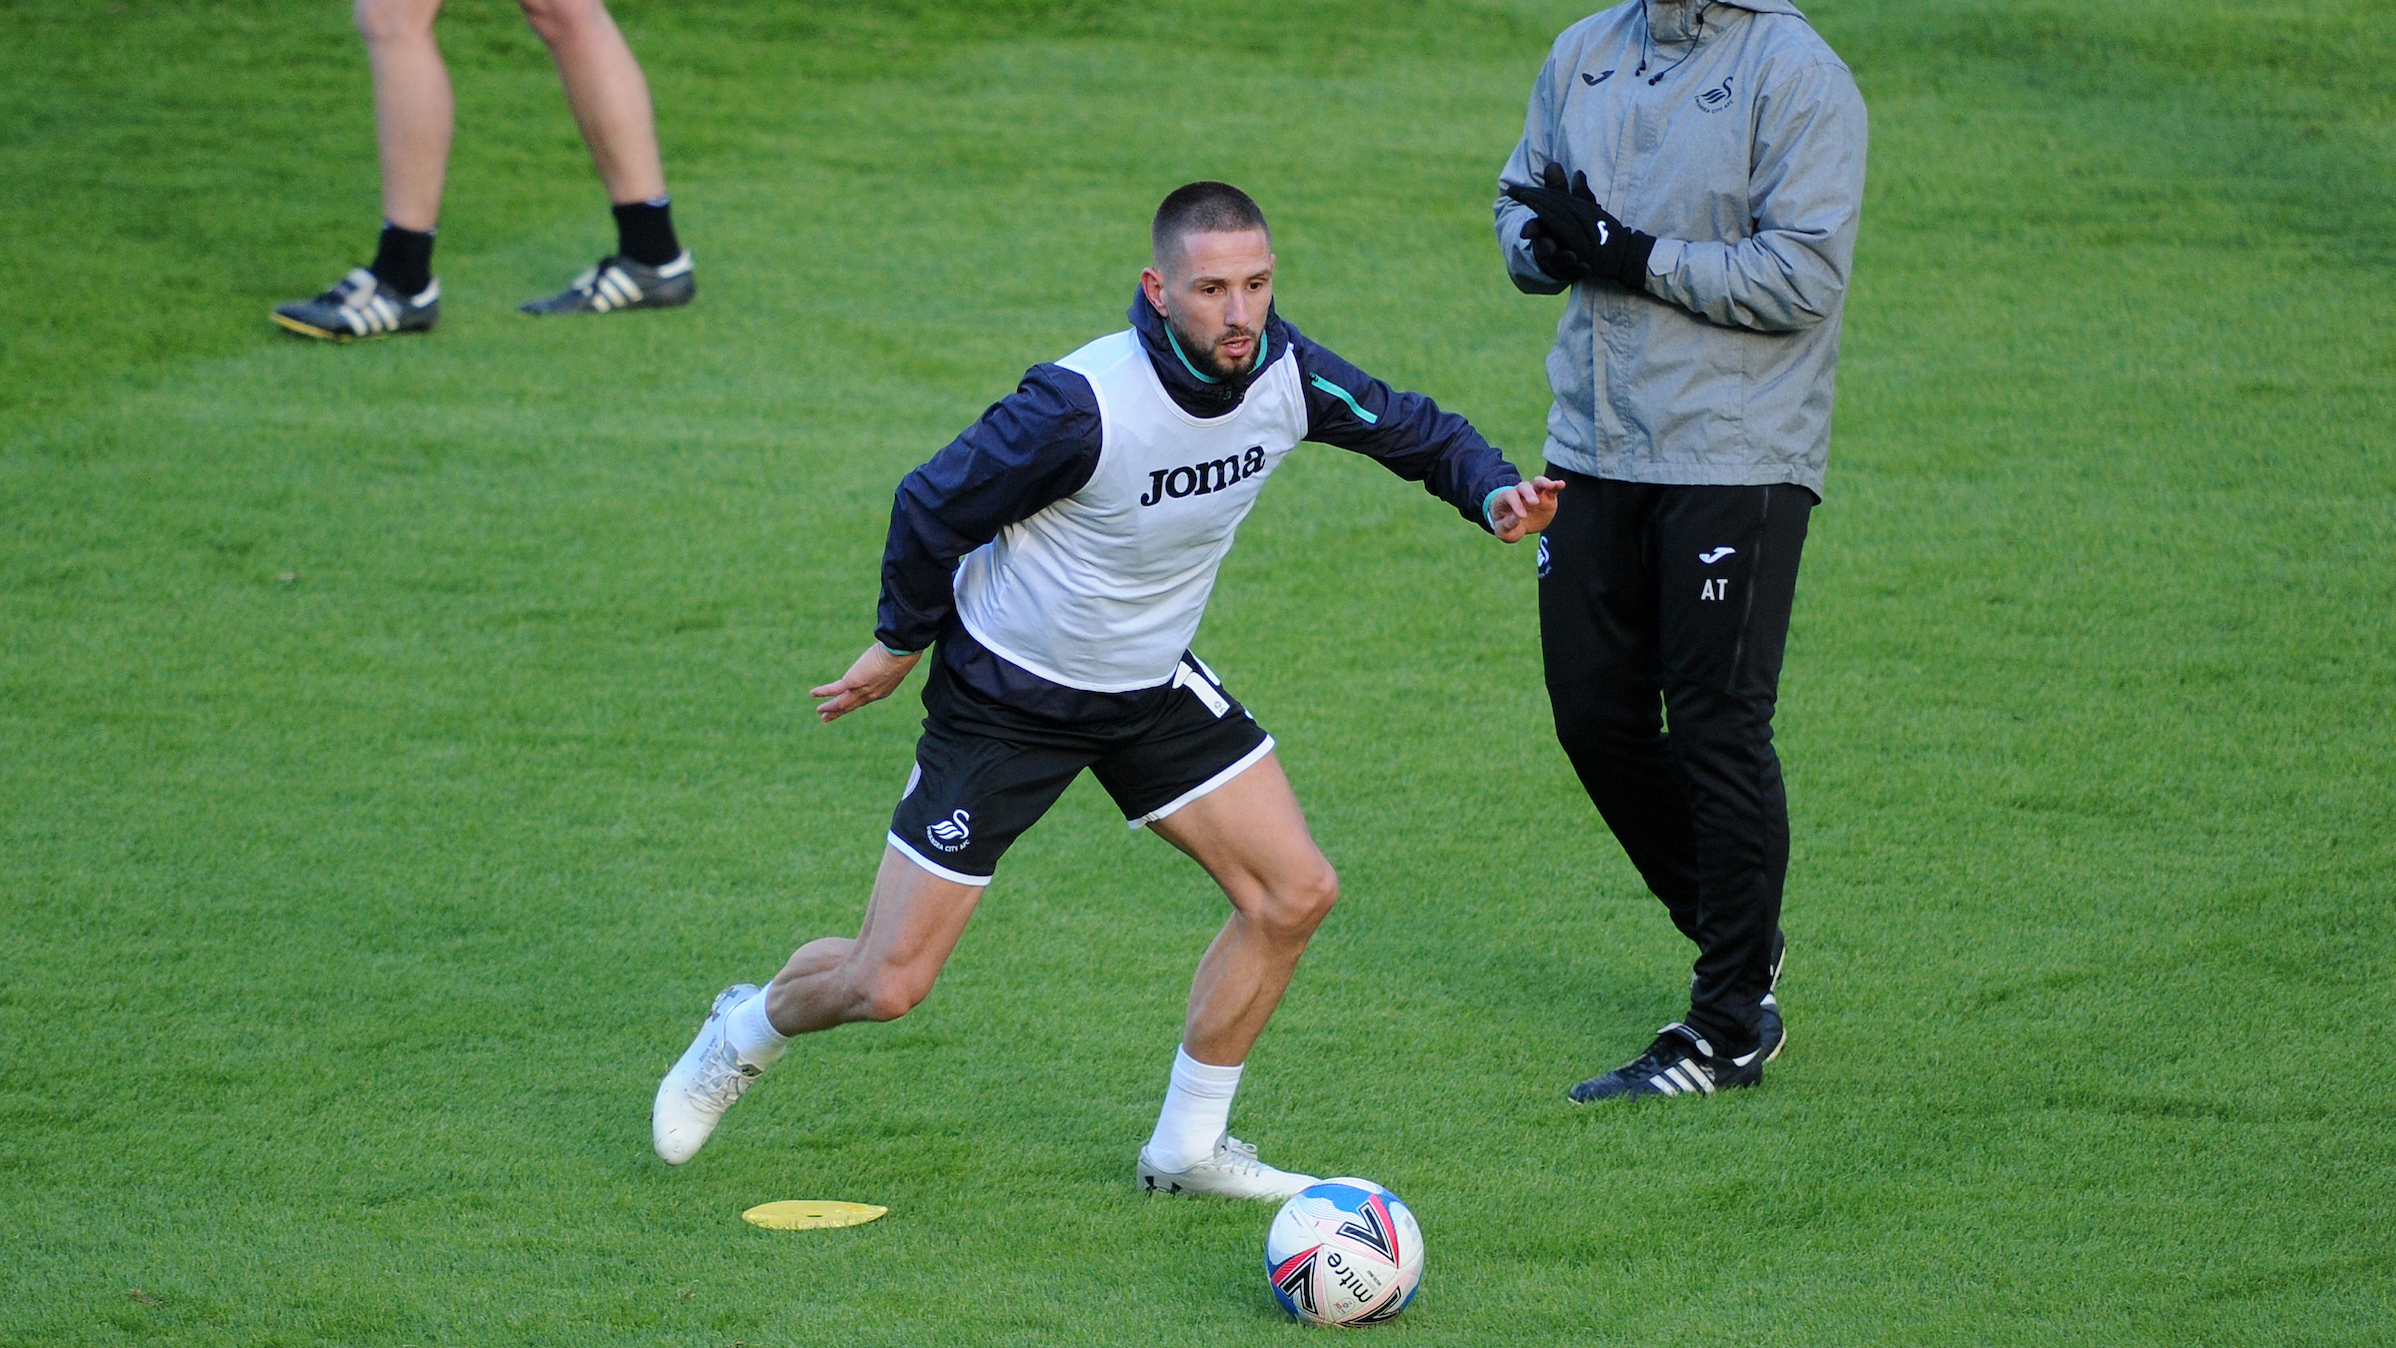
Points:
(703, 1084)
(1232, 1172)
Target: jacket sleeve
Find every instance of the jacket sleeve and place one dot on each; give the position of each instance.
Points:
(1405, 432)
(1031, 449)
(1534, 152)
(1806, 188)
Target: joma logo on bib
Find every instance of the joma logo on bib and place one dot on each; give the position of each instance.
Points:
(1197, 479)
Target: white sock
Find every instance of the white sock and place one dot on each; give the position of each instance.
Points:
(754, 1037)
(1197, 1112)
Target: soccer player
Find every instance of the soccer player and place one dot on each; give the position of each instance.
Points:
(1060, 553)
(413, 118)
(1693, 170)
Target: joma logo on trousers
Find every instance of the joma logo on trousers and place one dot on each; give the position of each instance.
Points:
(1197, 479)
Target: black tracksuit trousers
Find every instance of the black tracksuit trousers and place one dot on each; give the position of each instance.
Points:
(1669, 606)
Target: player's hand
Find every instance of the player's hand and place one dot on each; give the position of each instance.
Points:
(1524, 508)
(876, 675)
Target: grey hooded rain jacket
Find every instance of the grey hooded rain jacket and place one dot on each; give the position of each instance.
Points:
(1732, 132)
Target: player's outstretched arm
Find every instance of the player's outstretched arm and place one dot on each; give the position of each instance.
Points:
(876, 675)
(1405, 432)
(1524, 508)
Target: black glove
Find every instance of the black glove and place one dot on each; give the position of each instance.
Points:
(1573, 238)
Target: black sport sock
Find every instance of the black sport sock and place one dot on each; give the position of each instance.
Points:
(403, 259)
(645, 232)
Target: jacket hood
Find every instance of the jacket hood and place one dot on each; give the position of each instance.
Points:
(1198, 394)
(1677, 20)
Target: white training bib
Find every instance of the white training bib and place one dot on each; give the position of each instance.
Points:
(1104, 590)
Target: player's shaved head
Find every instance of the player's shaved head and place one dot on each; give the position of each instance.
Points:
(1200, 208)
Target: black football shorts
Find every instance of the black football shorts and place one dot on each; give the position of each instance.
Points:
(985, 771)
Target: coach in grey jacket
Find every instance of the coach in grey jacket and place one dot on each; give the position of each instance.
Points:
(1693, 171)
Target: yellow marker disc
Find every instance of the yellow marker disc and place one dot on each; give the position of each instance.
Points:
(808, 1213)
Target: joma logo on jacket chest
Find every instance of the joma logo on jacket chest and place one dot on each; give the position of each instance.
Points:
(1197, 479)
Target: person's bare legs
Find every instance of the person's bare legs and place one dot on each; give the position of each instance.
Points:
(912, 924)
(414, 112)
(414, 116)
(607, 91)
(1252, 838)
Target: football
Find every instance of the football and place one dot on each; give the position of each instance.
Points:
(1344, 1252)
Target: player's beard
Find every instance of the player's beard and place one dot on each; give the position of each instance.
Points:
(1202, 353)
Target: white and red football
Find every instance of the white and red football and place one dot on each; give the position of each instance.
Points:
(1344, 1252)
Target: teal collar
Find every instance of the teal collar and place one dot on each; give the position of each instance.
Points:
(1264, 343)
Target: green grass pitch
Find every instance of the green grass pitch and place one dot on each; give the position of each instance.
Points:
(400, 743)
